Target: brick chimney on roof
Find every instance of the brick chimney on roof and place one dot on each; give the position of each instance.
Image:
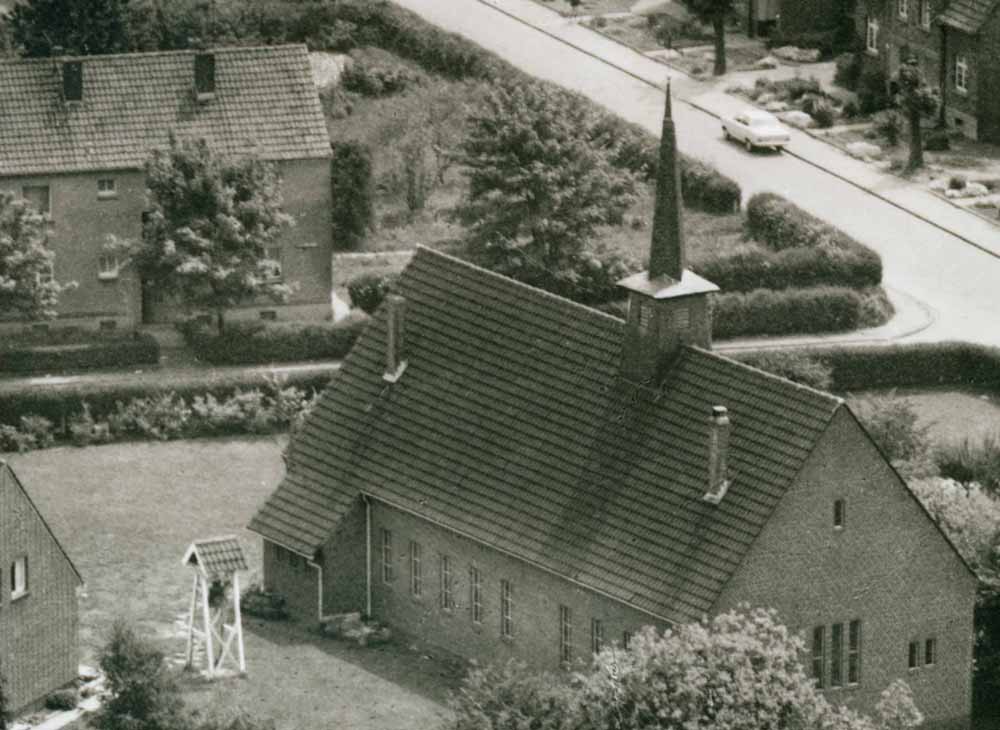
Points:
(666, 255)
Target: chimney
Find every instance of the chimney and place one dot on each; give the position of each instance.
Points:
(718, 455)
(204, 76)
(666, 255)
(72, 80)
(395, 352)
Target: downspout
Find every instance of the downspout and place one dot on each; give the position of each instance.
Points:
(943, 80)
(368, 555)
(319, 579)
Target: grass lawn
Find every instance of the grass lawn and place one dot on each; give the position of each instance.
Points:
(953, 414)
(126, 512)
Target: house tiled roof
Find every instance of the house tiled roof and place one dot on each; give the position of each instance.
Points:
(511, 425)
(218, 556)
(968, 15)
(264, 99)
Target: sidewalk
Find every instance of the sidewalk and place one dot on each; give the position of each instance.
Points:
(709, 97)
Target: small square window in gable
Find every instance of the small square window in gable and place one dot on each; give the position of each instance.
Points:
(107, 188)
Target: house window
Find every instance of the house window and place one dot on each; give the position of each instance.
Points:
(961, 74)
(626, 640)
(476, 594)
(902, 8)
(387, 572)
(272, 263)
(925, 14)
(106, 188)
(596, 635)
(446, 596)
(837, 655)
(645, 316)
(506, 610)
(854, 652)
(38, 196)
(839, 513)
(819, 656)
(565, 634)
(913, 660)
(930, 651)
(19, 577)
(107, 267)
(416, 576)
(871, 37)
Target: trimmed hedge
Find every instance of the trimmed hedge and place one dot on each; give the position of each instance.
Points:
(98, 351)
(792, 311)
(751, 267)
(58, 403)
(780, 224)
(706, 189)
(259, 343)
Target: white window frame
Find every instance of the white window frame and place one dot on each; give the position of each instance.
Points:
(506, 609)
(108, 266)
(854, 644)
(565, 634)
(447, 601)
(902, 8)
(19, 584)
(107, 188)
(871, 36)
(596, 635)
(476, 595)
(961, 74)
(416, 570)
(388, 574)
(925, 14)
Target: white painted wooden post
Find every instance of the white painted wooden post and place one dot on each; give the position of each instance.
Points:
(191, 617)
(239, 622)
(209, 654)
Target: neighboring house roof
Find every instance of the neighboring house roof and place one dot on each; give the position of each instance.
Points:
(512, 426)
(217, 557)
(9, 478)
(264, 97)
(968, 15)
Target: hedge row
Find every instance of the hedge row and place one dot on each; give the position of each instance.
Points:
(100, 352)
(751, 267)
(780, 224)
(59, 403)
(260, 343)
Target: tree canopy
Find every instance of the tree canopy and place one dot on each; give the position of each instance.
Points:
(917, 100)
(83, 27)
(210, 222)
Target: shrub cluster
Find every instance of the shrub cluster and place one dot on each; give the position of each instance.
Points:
(706, 189)
(367, 291)
(352, 193)
(971, 460)
(825, 41)
(258, 342)
(873, 91)
(38, 355)
(791, 311)
(375, 80)
(848, 70)
(750, 266)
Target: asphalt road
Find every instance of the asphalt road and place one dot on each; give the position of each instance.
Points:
(957, 282)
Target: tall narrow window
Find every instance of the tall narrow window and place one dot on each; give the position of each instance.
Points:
(819, 656)
(925, 14)
(839, 513)
(19, 577)
(565, 634)
(506, 610)
(961, 74)
(416, 572)
(902, 7)
(107, 267)
(476, 594)
(596, 635)
(837, 655)
(645, 316)
(854, 652)
(38, 197)
(447, 602)
(871, 37)
(930, 651)
(626, 640)
(913, 660)
(387, 571)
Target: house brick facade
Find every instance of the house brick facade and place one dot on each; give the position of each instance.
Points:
(85, 160)
(38, 604)
(586, 477)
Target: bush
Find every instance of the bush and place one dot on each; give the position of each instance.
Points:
(32, 432)
(367, 291)
(705, 189)
(890, 127)
(892, 423)
(373, 80)
(160, 417)
(795, 365)
(351, 192)
(957, 182)
(851, 109)
(937, 140)
(797, 87)
(83, 351)
(267, 605)
(848, 73)
(61, 699)
(825, 41)
(257, 342)
(873, 94)
(84, 430)
(749, 267)
(509, 697)
(824, 114)
(971, 461)
(792, 311)
(4, 702)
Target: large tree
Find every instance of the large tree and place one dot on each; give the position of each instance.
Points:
(714, 13)
(27, 286)
(540, 184)
(210, 220)
(77, 26)
(918, 101)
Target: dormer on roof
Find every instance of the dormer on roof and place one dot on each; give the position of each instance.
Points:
(204, 76)
(668, 305)
(72, 80)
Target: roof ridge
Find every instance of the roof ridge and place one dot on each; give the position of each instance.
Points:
(153, 54)
(836, 399)
(596, 314)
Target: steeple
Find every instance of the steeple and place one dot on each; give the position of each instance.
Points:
(668, 304)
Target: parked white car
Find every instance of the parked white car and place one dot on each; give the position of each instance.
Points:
(756, 128)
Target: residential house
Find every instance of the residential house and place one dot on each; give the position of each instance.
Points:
(957, 43)
(501, 472)
(76, 131)
(792, 17)
(38, 606)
